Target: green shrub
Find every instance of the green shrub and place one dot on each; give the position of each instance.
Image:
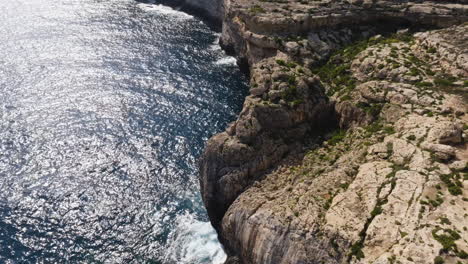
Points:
(292, 80)
(389, 130)
(443, 82)
(438, 201)
(377, 210)
(281, 62)
(291, 65)
(374, 127)
(389, 148)
(372, 109)
(453, 183)
(257, 9)
(424, 84)
(439, 260)
(336, 72)
(290, 94)
(462, 254)
(345, 97)
(296, 102)
(337, 137)
(455, 190)
(414, 71)
(356, 250)
(447, 239)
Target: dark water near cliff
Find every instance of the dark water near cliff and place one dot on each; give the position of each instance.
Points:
(104, 108)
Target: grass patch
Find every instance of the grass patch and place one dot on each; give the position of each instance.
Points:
(443, 82)
(256, 9)
(453, 183)
(446, 239)
(336, 72)
(372, 109)
(337, 137)
(423, 84)
(290, 94)
(281, 62)
(439, 260)
(356, 250)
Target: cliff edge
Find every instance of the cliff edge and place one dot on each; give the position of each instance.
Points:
(351, 145)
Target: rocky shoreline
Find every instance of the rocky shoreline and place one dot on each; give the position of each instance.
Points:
(351, 145)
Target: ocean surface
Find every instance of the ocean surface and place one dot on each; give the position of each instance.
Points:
(105, 106)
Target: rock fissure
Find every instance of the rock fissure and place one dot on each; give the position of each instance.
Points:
(356, 249)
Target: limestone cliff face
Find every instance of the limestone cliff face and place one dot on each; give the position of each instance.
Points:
(390, 184)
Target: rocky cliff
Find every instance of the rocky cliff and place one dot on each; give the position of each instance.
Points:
(351, 145)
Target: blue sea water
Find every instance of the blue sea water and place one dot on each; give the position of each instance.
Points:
(105, 106)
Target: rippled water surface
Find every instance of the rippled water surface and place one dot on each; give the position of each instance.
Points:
(104, 108)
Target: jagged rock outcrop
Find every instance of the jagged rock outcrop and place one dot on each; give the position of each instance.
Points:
(391, 188)
(267, 129)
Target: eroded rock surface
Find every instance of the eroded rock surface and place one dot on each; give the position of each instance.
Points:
(390, 185)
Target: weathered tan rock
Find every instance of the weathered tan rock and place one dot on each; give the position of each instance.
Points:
(350, 209)
(450, 53)
(378, 194)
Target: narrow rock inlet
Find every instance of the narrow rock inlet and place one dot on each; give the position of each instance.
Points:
(351, 146)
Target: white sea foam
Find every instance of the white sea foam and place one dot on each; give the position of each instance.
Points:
(165, 10)
(227, 60)
(215, 46)
(194, 242)
(223, 58)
